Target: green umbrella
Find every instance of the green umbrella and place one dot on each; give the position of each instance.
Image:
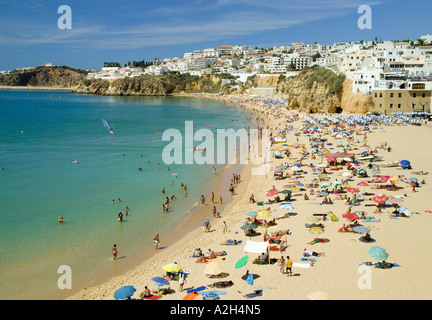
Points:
(241, 262)
(248, 226)
(285, 191)
(378, 253)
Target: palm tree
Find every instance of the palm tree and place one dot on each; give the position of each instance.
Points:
(421, 42)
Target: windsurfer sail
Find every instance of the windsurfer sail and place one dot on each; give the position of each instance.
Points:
(106, 125)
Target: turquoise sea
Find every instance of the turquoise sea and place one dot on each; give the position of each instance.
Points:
(41, 132)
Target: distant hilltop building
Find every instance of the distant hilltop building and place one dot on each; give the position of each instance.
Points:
(49, 65)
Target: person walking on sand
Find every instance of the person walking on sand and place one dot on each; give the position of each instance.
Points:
(224, 227)
(114, 252)
(282, 264)
(156, 241)
(182, 280)
(289, 266)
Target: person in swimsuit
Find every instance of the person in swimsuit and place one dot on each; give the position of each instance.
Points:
(114, 252)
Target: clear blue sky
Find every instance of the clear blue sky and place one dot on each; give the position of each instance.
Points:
(123, 31)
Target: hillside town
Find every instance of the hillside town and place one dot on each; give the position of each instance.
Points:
(396, 74)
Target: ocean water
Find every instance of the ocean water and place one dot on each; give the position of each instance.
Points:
(42, 132)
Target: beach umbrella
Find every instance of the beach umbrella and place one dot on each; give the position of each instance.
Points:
(299, 184)
(210, 296)
(319, 295)
(287, 206)
(394, 200)
(124, 292)
(363, 184)
(322, 194)
(350, 216)
(316, 230)
(353, 190)
(272, 193)
(380, 198)
(361, 229)
(413, 179)
(241, 262)
(159, 281)
(336, 183)
(404, 163)
(264, 213)
(277, 170)
(213, 268)
(381, 179)
(378, 253)
(252, 213)
(312, 219)
(171, 267)
(286, 191)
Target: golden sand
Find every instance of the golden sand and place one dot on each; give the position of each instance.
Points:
(337, 273)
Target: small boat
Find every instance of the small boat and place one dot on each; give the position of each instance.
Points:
(371, 158)
(386, 164)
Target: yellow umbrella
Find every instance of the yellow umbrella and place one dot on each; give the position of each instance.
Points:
(264, 214)
(172, 267)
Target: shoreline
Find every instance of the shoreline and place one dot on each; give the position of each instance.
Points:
(336, 273)
(185, 233)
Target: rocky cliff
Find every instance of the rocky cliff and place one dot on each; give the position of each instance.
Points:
(44, 77)
(316, 90)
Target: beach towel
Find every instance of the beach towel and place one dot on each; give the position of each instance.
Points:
(196, 289)
(250, 279)
(256, 293)
(153, 297)
(362, 240)
(231, 243)
(308, 259)
(191, 296)
(300, 265)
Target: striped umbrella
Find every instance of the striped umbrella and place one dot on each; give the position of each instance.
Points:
(287, 206)
(213, 268)
(252, 213)
(319, 295)
(363, 184)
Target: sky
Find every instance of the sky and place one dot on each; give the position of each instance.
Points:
(123, 31)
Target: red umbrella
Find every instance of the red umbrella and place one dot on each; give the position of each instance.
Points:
(382, 179)
(272, 193)
(380, 198)
(353, 190)
(350, 216)
(331, 159)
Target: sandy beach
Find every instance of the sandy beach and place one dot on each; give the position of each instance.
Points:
(337, 272)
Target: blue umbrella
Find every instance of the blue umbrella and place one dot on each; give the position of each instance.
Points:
(413, 179)
(378, 253)
(404, 163)
(124, 292)
(159, 281)
(299, 184)
(287, 206)
(361, 229)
